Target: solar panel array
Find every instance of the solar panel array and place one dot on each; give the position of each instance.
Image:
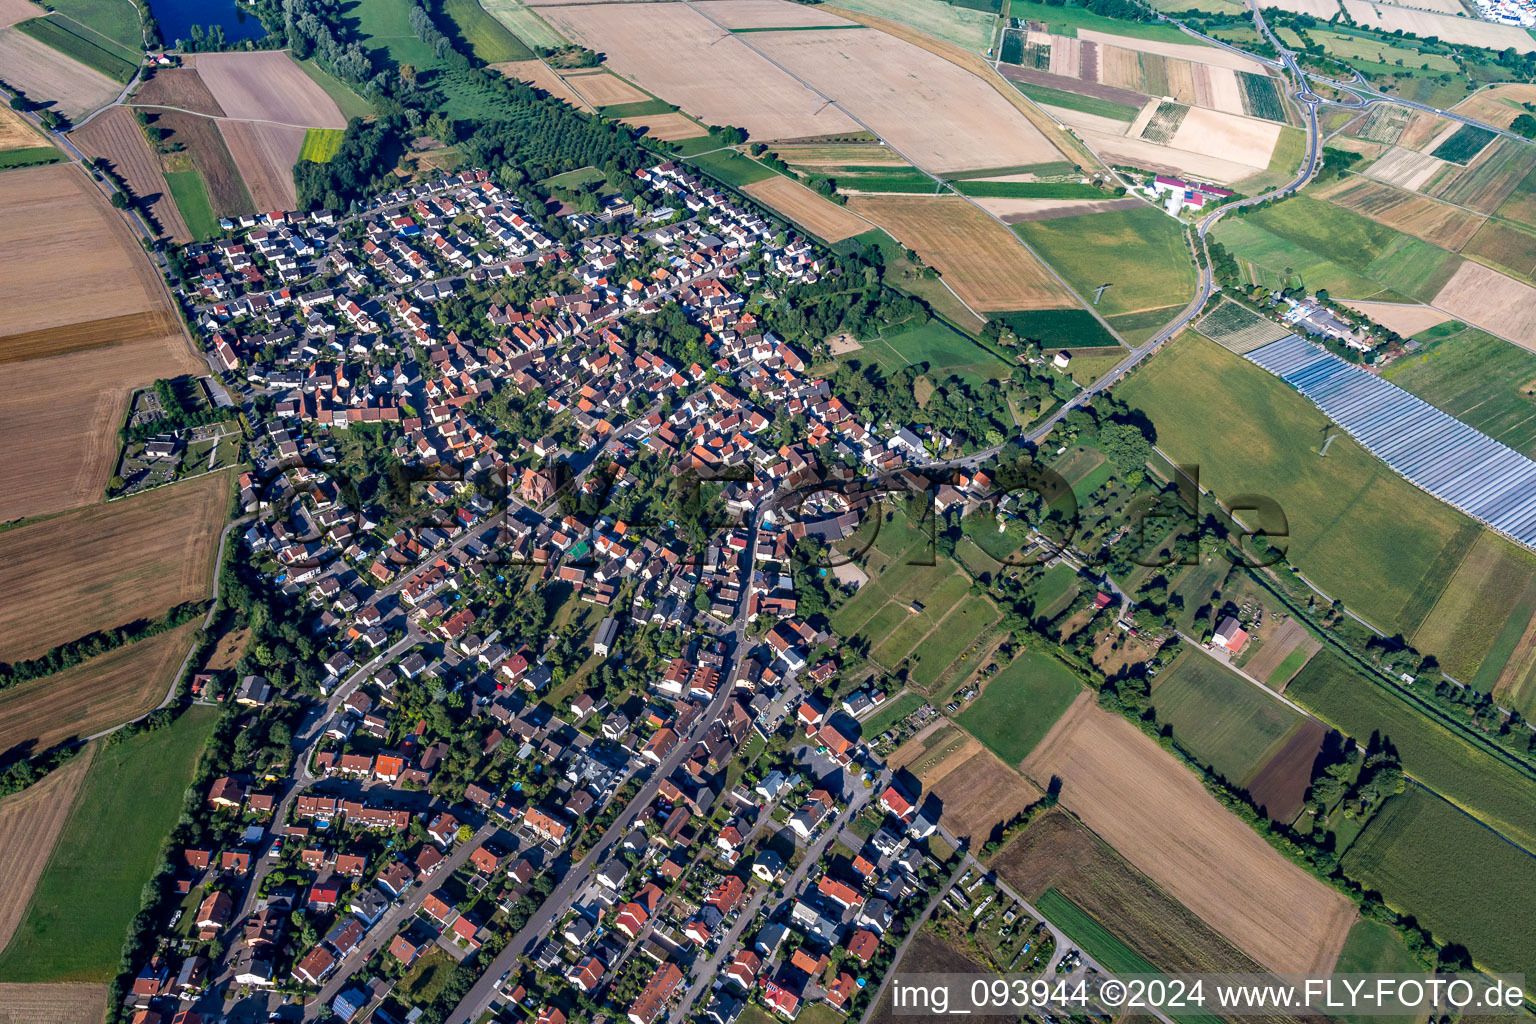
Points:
(1463, 467)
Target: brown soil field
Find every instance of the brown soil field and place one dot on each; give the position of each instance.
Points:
(178, 87)
(929, 954)
(205, 145)
(53, 1004)
(29, 824)
(979, 258)
(116, 330)
(12, 11)
(1493, 301)
(62, 415)
(1497, 105)
(1112, 93)
(267, 85)
(1404, 319)
(1504, 246)
(1277, 646)
(818, 215)
(265, 155)
(538, 74)
(46, 75)
(1422, 127)
(1460, 31)
(683, 57)
(59, 229)
(1017, 211)
(16, 132)
(106, 691)
(1152, 809)
(1281, 785)
(976, 791)
(937, 115)
(666, 127)
(765, 14)
(1438, 223)
(604, 90)
(115, 135)
(229, 650)
(1057, 852)
(101, 566)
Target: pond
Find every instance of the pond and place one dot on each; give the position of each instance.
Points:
(176, 18)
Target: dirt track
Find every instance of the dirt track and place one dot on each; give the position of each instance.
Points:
(1156, 813)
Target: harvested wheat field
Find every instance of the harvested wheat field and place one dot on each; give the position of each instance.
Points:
(1405, 168)
(666, 127)
(683, 57)
(103, 565)
(1152, 809)
(818, 215)
(1405, 318)
(604, 90)
(1497, 105)
(538, 74)
(53, 1004)
(979, 258)
(1018, 211)
(1180, 51)
(858, 154)
(1493, 301)
(1442, 224)
(178, 87)
(265, 155)
(101, 693)
(44, 73)
(1243, 140)
(1460, 31)
(115, 135)
(266, 85)
(60, 443)
(765, 14)
(12, 11)
(59, 228)
(1164, 159)
(17, 133)
(29, 824)
(936, 114)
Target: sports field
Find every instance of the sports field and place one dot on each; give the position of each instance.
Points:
(1141, 254)
(1223, 720)
(130, 799)
(1492, 791)
(1416, 852)
(1358, 531)
(1019, 705)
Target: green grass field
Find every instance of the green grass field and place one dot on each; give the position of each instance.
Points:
(575, 179)
(1373, 948)
(1222, 719)
(191, 197)
(489, 38)
(1479, 379)
(1019, 706)
(350, 103)
(81, 44)
(1029, 189)
(1496, 793)
(959, 25)
(1075, 101)
(75, 926)
(893, 712)
(944, 350)
(1359, 531)
(1278, 263)
(32, 156)
(949, 641)
(1055, 588)
(385, 30)
(1419, 852)
(731, 167)
(1059, 328)
(524, 23)
(1067, 20)
(118, 20)
(1098, 941)
(1137, 327)
(1140, 253)
(639, 108)
(321, 144)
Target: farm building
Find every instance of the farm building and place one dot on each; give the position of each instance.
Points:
(1230, 635)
